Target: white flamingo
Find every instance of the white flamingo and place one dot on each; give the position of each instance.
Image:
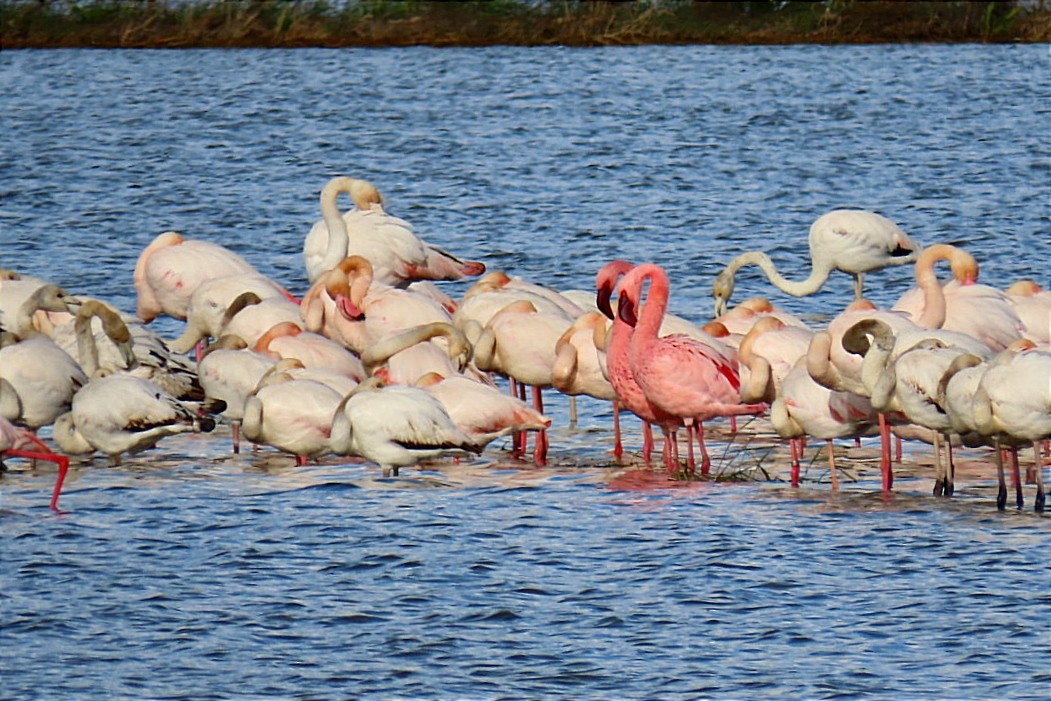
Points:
(397, 254)
(854, 241)
(396, 427)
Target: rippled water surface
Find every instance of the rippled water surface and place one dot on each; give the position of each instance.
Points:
(190, 574)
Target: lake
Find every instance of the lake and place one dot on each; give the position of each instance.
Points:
(189, 573)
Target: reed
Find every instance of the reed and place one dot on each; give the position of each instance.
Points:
(334, 23)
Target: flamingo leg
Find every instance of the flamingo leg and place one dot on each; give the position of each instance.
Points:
(1038, 505)
(647, 441)
(1016, 478)
(793, 446)
(573, 411)
(63, 467)
(235, 432)
(706, 461)
(950, 473)
(885, 466)
(897, 449)
(733, 425)
(618, 447)
(540, 444)
(859, 279)
(691, 463)
(939, 470)
(1001, 493)
(832, 474)
(301, 461)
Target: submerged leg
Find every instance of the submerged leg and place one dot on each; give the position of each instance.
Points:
(1001, 492)
(1038, 506)
(832, 474)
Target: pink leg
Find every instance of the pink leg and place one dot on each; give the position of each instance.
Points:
(647, 441)
(198, 351)
(733, 424)
(794, 448)
(301, 460)
(540, 442)
(691, 464)
(63, 467)
(706, 461)
(832, 474)
(618, 447)
(885, 466)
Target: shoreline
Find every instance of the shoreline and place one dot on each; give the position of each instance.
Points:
(373, 24)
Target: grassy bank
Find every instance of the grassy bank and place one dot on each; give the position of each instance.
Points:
(283, 23)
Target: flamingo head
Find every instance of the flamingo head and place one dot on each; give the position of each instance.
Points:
(606, 281)
(722, 288)
(1024, 288)
(626, 310)
(867, 333)
(964, 269)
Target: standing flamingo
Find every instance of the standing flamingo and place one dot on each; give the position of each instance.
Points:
(172, 267)
(851, 240)
(398, 255)
(682, 376)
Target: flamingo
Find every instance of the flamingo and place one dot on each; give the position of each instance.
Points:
(22, 307)
(739, 320)
(118, 413)
(19, 443)
(851, 240)
(350, 306)
(169, 270)
(37, 381)
(519, 342)
(961, 305)
(482, 411)
(577, 369)
(248, 317)
(1033, 306)
(207, 307)
(292, 415)
(229, 372)
(287, 340)
(403, 358)
(682, 376)
(805, 408)
(629, 394)
(767, 354)
(1013, 405)
(495, 290)
(398, 255)
(396, 427)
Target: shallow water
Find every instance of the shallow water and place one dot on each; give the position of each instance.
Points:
(187, 573)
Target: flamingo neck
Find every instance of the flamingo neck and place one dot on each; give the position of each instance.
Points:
(651, 314)
(338, 239)
(819, 273)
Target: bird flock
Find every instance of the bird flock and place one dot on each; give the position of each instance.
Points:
(376, 361)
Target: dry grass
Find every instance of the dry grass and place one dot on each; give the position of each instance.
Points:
(273, 23)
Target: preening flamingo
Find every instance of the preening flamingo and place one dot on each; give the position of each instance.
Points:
(961, 305)
(682, 376)
(249, 317)
(397, 254)
(396, 427)
(1032, 303)
(172, 267)
(404, 358)
(766, 355)
(1013, 406)
(287, 340)
(208, 305)
(229, 372)
(37, 381)
(805, 408)
(851, 240)
(482, 411)
(348, 305)
(292, 415)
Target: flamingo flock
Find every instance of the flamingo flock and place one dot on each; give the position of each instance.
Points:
(377, 362)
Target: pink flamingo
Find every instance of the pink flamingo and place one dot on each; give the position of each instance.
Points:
(1033, 306)
(682, 376)
(621, 377)
(287, 340)
(172, 267)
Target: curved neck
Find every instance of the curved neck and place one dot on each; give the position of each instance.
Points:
(338, 239)
(651, 313)
(818, 275)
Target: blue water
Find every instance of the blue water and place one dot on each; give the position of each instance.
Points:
(191, 574)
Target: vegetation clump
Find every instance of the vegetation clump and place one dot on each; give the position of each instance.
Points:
(340, 23)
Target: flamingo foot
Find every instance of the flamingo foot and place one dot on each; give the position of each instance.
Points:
(1038, 505)
(939, 487)
(1001, 497)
